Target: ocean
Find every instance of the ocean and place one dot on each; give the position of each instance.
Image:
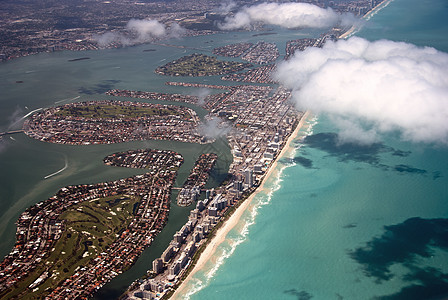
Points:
(346, 221)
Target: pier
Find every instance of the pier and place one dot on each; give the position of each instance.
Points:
(10, 132)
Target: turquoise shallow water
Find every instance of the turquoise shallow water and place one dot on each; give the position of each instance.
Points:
(347, 222)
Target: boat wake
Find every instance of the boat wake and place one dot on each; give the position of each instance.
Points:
(59, 171)
(68, 99)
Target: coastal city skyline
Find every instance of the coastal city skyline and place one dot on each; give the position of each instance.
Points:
(169, 154)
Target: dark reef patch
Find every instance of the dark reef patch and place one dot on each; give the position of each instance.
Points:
(301, 295)
(351, 225)
(400, 153)
(409, 169)
(436, 174)
(304, 162)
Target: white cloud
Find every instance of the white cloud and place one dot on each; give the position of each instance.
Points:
(226, 7)
(214, 128)
(289, 15)
(176, 31)
(146, 29)
(202, 94)
(377, 86)
(112, 37)
(140, 31)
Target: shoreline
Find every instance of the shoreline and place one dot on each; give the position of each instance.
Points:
(365, 17)
(234, 219)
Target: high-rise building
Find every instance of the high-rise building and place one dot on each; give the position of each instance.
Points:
(249, 177)
(157, 265)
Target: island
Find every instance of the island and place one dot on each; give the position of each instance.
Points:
(200, 65)
(106, 122)
(71, 244)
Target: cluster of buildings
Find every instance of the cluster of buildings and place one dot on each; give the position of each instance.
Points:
(179, 124)
(300, 44)
(261, 74)
(31, 28)
(40, 227)
(261, 125)
(232, 50)
(145, 159)
(198, 64)
(358, 8)
(262, 53)
(197, 179)
(154, 96)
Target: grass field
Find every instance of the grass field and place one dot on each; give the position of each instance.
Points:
(91, 226)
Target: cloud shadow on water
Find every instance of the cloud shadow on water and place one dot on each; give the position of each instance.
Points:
(430, 284)
(406, 244)
(99, 88)
(370, 154)
(329, 142)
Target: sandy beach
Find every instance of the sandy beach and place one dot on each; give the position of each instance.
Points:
(236, 216)
(365, 17)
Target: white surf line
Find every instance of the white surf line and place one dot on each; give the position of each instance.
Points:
(68, 99)
(57, 172)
